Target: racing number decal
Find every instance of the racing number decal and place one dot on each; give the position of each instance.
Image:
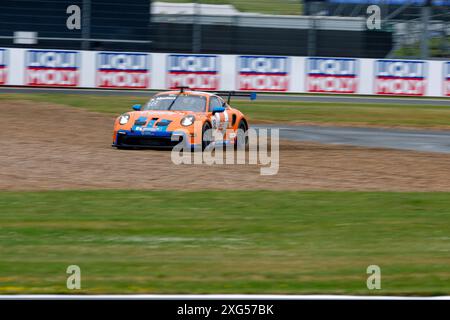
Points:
(220, 122)
(225, 120)
(215, 121)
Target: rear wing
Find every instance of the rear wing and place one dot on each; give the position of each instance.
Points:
(229, 94)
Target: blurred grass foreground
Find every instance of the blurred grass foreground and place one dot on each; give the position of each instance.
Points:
(225, 242)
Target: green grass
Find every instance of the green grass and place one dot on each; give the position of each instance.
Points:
(406, 115)
(291, 7)
(225, 242)
(437, 48)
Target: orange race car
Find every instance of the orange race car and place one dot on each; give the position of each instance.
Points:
(194, 118)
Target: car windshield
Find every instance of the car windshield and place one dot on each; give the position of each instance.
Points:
(193, 103)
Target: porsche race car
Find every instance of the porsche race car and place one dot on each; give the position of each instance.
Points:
(194, 118)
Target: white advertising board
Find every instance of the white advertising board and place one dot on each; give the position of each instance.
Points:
(145, 70)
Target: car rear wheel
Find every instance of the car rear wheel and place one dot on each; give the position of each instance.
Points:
(241, 137)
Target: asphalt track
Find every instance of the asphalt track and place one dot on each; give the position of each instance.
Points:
(417, 140)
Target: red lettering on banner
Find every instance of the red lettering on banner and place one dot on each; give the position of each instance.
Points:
(334, 84)
(121, 79)
(3, 73)
(263, 82)
(447, 88)
(411, 87)
(193, 80)
(51, 77)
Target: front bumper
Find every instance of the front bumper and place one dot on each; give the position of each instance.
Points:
(149, 139)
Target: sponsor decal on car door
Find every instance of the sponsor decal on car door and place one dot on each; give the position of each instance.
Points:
(221, 120)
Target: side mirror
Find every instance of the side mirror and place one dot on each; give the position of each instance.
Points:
(218, 110)
(137, 107)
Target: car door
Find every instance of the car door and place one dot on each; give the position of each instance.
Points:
(221, 120)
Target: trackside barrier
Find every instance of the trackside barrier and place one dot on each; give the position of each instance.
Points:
(137, 70)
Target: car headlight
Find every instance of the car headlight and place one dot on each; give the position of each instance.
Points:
(187, 121)
(124, 119)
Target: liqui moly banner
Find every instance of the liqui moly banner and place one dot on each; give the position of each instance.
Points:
(193, 71)
(123, 70)
(3, 66)
(208, 72)
(447, 79)
(400, 77)
(259, 73)
(333, 75)
(52, 68)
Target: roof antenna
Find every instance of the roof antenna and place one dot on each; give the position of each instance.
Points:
(182, 89)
